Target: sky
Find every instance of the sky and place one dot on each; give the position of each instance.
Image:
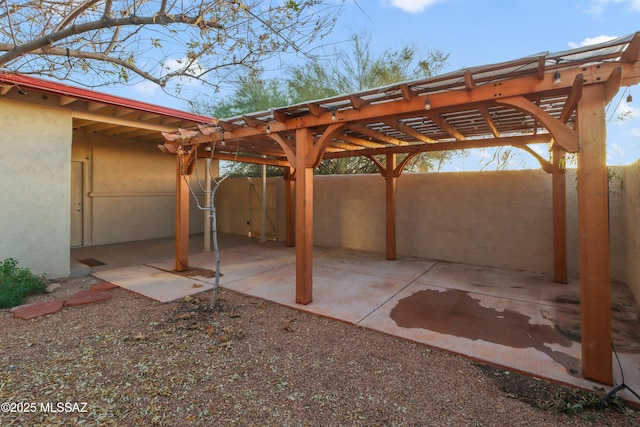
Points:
(480, 32)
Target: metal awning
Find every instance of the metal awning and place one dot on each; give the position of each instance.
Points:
(96, 113)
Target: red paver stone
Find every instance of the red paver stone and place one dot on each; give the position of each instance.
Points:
(103, 286)
(87, 297)
(29, 311)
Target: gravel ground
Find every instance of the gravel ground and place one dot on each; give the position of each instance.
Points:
(131, 361)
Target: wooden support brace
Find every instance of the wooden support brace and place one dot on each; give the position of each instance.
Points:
(564, 135)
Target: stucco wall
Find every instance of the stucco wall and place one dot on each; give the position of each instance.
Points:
(501, 219)
(34, 186)
(232, 205)
(130, 192)
(490, 218)
(632, 208)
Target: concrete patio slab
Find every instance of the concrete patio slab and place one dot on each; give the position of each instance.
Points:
(521, 321)
(153, 283)
(347, 297)
(403, 268)
(518, 285)
(235, 264)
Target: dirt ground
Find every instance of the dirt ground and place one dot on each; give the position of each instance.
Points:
(130, 361)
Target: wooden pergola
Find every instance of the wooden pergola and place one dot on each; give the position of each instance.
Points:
(558, 99)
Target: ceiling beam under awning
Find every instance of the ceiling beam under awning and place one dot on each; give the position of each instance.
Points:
(121, 122)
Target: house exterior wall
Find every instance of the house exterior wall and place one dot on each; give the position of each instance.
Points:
(130, 191)
(34, 187)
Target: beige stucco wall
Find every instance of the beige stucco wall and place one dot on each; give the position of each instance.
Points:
(34, 187)
(490, 218)
(501, 219)
(632, 218)
(130, 191)
(232, 205)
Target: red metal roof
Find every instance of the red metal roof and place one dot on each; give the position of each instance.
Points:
(57, 88)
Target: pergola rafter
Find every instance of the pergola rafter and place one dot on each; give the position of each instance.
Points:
(557, 99)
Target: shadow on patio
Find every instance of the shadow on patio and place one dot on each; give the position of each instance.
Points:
(517, 320)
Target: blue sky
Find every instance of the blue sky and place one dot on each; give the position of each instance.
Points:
(479, 32)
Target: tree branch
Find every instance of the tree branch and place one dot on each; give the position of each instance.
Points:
(114, 41)
(74, 14)
(99, 56)
(16, 51)
(107, 9)
(13, 36)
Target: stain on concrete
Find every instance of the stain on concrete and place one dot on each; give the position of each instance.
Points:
(456, 313)
(193, 272)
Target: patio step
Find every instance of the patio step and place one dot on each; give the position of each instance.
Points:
(79, 269)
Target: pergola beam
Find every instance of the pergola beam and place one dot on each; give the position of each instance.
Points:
(527, 85)
(377, 135)
(408, 130)
(446, 126)
(515, 141)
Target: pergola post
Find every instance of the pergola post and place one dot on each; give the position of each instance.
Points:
(289, 181)
(304, 217)
(560, 274)
(390, 180)
(182, 218)
(593, 230)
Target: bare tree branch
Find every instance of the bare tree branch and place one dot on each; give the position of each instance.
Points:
(74, 14)
(41, 42)
(105, 41)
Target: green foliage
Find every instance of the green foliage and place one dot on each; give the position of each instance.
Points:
(16, 283)
(572, 402)
(238, 169)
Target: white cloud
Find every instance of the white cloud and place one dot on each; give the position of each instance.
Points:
(146, 87)
(617, 149)
(413, 6)
(592, 40)
(596, 7)
(171, 65)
